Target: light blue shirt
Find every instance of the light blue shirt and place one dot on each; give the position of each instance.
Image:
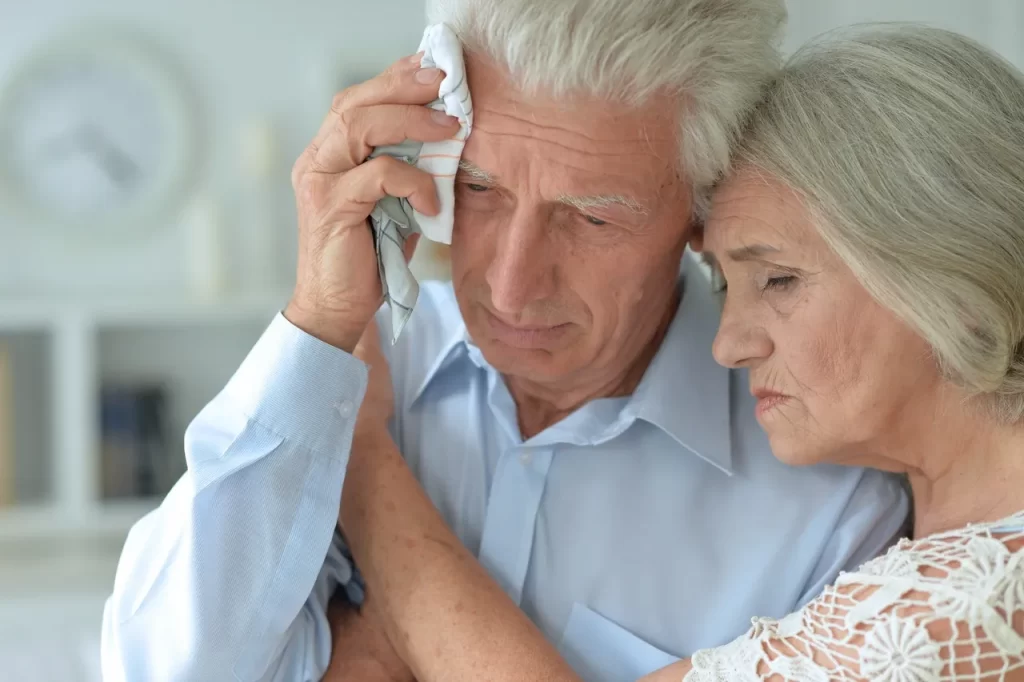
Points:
(633, 532)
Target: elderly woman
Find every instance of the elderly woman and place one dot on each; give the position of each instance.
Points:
(871, 233)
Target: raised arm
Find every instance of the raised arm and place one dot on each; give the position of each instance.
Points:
(230, 577)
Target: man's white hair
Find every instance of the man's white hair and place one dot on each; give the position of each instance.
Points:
(715, 55)
(907, 144)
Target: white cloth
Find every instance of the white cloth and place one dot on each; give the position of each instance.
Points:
(891, 618)
(395, 220)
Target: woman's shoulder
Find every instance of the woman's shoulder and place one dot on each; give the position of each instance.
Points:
(949, 606)
(953, 559)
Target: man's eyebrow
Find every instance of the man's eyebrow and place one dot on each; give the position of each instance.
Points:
(589, 203)
(476, 172)
(581, 203)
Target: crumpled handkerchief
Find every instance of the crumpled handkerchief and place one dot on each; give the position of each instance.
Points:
(394, 220)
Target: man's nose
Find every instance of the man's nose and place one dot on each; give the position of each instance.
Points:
(741, 340)
(523, 269)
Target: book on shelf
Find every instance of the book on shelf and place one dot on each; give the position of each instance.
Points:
(136, 460)
(6, 427)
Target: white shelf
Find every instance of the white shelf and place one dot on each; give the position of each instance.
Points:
(46, 522)
(25, 315)
(194, 344)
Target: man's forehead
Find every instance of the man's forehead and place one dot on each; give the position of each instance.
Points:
(576, 126)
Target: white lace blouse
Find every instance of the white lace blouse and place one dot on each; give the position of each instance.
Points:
(946, 607)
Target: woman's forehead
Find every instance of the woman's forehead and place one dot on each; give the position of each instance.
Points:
(750, 208)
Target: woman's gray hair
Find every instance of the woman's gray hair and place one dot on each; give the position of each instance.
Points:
(716, 55)
(907, 144)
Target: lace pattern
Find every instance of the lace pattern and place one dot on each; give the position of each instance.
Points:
(946, 607)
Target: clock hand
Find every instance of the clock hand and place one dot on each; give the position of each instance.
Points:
(119, 167)
(63, 145)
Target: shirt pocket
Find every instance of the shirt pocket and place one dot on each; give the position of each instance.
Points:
(600, 650)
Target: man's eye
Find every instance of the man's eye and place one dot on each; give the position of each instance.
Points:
(595, 221)
(473, 187)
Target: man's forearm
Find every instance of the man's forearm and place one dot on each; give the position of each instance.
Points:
(443, 613)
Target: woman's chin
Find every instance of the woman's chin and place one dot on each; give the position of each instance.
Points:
(795, 451)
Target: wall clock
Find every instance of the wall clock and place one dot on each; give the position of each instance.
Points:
(98, 137)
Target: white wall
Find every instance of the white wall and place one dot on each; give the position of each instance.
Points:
(244, 59)
(997, 23)
(281, 60)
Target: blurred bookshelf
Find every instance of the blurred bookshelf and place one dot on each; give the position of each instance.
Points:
(95, 397)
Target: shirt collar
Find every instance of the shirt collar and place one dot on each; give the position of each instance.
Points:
(684, 392)
(456, 347)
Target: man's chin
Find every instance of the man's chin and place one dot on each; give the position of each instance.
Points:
(539, 365)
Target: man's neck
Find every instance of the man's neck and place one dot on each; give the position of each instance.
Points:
(540, 406)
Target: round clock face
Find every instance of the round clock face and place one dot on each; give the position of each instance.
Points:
(94, 136)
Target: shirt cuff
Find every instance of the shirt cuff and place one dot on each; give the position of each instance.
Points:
(301, 388)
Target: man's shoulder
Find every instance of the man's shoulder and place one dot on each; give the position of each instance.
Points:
(432, 330)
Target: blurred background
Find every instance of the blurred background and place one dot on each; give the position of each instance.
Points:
(147, 238)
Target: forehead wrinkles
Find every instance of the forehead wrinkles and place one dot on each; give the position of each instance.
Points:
(752, 208)
(644, 159)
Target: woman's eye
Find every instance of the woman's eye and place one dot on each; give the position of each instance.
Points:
(595, 221)
(779, 282)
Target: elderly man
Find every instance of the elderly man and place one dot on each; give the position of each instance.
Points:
(558, 400)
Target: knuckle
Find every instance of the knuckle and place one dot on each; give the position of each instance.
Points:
(301, 164)
(353, 126)
(394, 78)
(384, 165)
(348, 120)
(309, 191)
(340, 101)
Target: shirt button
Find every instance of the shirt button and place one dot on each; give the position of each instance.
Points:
(525, 458)
(345, 408)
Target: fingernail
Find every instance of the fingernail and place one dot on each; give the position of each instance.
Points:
(426, 76)
(416, 58)
(442, 118)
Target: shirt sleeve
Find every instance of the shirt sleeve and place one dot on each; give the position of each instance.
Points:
(230, 577)
(876, 516)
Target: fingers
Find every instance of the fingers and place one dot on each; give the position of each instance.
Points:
(404, 82)
(368, 183)
(385, 110)
(357, 131)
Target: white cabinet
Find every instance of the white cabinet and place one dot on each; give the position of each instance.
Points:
(62, 357)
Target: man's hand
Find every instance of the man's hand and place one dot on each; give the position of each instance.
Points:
(337, 290)
(362, 651)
